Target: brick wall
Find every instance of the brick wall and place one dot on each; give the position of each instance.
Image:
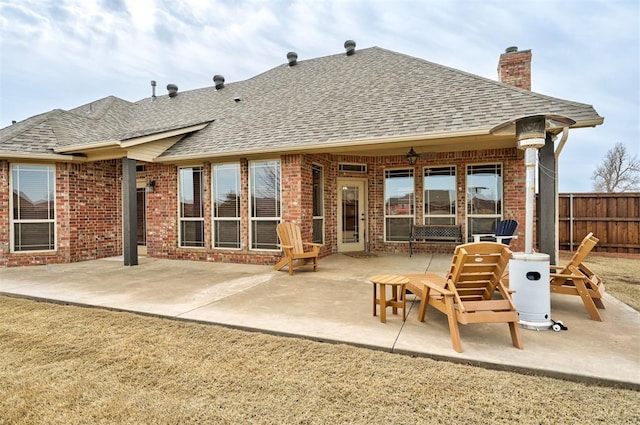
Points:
(88, 214)
(4, 213)
(94, 226)
(89, 206)
(162, 218)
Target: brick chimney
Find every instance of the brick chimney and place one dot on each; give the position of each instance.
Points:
(514, 67)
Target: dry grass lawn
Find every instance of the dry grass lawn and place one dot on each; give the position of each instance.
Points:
(621, 277)
(72, 365)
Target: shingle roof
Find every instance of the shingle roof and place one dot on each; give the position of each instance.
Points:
(375, 93)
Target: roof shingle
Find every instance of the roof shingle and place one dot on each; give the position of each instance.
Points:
(375, 93)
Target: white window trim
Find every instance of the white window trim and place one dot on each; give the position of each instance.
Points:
(250, 216)
(12, 220)
(384, 201)
(455, 188)
(213, 209)
(181, 219)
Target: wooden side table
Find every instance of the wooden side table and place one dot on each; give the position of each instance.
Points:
(397, 299)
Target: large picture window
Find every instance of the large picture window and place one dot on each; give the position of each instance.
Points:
(33, 207)
(265, 203)
(225, 179)
(399, 204)
(484, 198)
(318, 204)
(440, 195)
(191, 207)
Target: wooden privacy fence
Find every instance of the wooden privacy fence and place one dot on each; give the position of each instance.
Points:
(614, 218)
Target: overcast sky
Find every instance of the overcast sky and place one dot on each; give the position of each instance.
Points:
(65, 53)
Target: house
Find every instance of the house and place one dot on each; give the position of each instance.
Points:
(207, 174)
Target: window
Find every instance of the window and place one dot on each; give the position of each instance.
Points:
(33, 207)
(225, 179)
(354, 168)
(484, 198)
(440, 195)
(265, 203)
(318, 204)
(398, 208)
(191, 207)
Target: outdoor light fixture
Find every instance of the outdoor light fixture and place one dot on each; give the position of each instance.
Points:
(412, 157)
(150, 187)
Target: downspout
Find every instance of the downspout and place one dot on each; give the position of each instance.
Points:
(563, 140)
(561, 143)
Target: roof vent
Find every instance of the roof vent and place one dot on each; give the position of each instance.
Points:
(172, 89)
(218, 81)
(153, 89)
(350, 45)
(292, 57)
(511, 49)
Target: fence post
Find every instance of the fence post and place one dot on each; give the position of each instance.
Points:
(571, 222)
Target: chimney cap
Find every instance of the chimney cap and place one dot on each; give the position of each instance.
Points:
(511, 49)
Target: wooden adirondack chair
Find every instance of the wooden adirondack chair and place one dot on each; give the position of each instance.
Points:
(577, 279)
(472, 291)
(293, 248)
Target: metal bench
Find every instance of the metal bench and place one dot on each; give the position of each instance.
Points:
(434, 233)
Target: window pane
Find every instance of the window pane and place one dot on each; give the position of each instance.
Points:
(33, 188)
(33, 192)
(317, 191)
(34, 236)
(398, 190)
(191, 192)
(484, 198)
(317, 230)
(399, 201)
(350, 214)
(192, 233)
(318, 204)
(264, 180)
(265, 189)
(263, 235)
(226, 190)
(482, 225)
(484, 189)
(440, 191)
(226, 234)
(398, 229)
(142, 216)
(438, 221)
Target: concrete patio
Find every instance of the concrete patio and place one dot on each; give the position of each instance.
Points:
(335, 305)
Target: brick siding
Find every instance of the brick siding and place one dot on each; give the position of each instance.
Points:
(514, 69)
(89, 206)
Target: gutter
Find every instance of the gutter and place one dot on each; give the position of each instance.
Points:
(561, 143)
(43, 157)
(357, 144)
